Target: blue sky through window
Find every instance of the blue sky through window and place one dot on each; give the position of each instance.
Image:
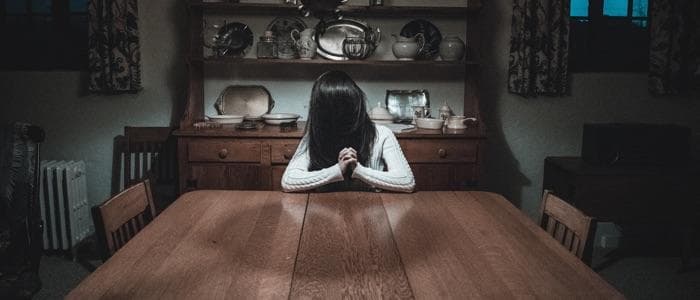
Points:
(579, 8)
(640, 8)
(615, 8)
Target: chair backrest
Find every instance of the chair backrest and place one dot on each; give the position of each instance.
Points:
(125, 214)
(144, 152)
(565, 223)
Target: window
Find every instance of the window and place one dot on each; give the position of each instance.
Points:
(609, 36)
(43, 34)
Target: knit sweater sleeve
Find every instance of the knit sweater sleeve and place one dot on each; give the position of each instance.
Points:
(297, 176)
(398, 176)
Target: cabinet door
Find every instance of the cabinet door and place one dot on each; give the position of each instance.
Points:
(228, 176)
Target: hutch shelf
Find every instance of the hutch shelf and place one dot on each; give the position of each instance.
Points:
(227, 158)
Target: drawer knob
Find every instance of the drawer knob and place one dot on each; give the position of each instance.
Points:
(223, 153)
(288, 154)
(442, 153)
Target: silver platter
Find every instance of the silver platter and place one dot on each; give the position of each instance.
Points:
(330, 42)
(400, 102)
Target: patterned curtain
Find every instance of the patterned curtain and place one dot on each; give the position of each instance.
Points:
(539, 48)
(115, 60)
(674, 62)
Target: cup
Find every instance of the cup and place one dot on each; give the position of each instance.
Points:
(420, 111)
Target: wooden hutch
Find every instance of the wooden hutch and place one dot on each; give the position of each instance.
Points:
(227, 158)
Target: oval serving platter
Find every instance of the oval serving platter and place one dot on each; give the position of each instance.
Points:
(330, 39)
(252, 101)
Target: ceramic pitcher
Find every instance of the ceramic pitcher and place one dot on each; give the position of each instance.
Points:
(305, 44)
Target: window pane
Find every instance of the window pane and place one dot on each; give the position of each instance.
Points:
(15, 6)
(640, 23)
(78, 5)
(640, 8)
(579, 8)
(41, 6)
(615, 8)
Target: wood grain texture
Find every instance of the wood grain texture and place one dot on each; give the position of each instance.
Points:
(207, 245)
(477, 245)
(425, 245)
(347, 251)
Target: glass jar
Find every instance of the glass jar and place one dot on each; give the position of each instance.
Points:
(267, 46)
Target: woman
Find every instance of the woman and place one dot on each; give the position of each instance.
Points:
(342, 148)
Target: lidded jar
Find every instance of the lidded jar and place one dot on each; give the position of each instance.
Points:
(452, 48)
(445, 112)
(267, 46)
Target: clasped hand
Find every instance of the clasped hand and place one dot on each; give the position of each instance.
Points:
(347, 159)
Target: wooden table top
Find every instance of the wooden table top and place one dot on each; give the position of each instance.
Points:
(263, 244)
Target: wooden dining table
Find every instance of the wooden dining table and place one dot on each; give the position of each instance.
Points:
(213, 244)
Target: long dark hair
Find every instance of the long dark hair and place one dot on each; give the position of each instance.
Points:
(338, 119)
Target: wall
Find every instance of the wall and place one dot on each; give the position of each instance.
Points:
(522, 132)
(81, 126)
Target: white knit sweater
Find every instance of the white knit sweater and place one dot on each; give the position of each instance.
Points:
(386, 152)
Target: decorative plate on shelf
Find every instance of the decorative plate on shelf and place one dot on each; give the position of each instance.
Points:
(234, 39)
(282, 28)
(432, 36)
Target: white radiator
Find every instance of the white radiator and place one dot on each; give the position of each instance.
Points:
(64, 204)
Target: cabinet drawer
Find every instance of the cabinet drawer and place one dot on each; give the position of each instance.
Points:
(223, 151)
(444, 176)
(439, 151)
(282, 151)
(228, 177)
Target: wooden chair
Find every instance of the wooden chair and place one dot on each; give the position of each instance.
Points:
(121, 217)
(146, 153)
(566, 224)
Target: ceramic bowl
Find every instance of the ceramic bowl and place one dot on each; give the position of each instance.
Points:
(379, 114)
(428, 123)
(226, 119)
(279, 118)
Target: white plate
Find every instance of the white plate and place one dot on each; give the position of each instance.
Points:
(226, 119)
(279, 118)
